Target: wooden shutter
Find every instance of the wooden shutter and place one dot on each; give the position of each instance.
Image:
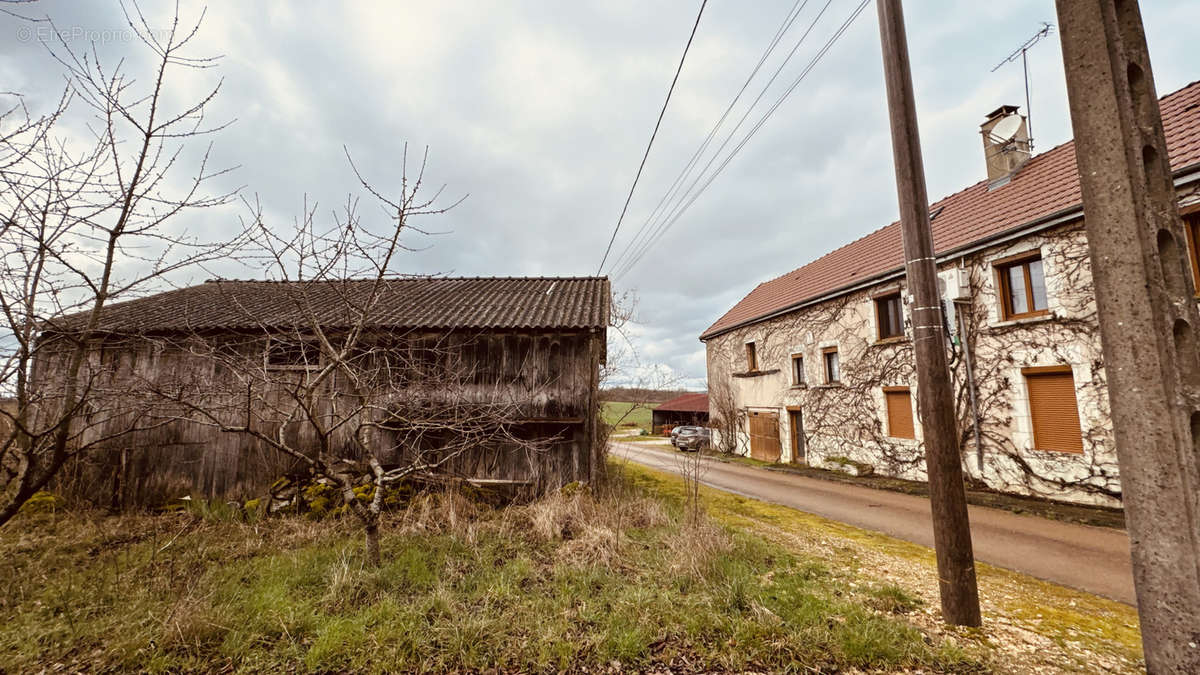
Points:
(1053, 409)
(764, 436)
(899, 413)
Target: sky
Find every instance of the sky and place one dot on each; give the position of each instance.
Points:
(539, 114)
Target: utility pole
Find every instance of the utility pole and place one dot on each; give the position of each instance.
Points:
(1147, 310)
(935, 395)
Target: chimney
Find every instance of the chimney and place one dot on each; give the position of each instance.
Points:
(1005, 148)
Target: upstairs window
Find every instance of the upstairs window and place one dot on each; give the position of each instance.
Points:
(1022, 286)
(751, 358)
(833, 371)
(889, 317)
(797, 369)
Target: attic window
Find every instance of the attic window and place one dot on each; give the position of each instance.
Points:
(291, 354)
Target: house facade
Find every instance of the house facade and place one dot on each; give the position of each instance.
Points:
(193, 384)
(817, 366)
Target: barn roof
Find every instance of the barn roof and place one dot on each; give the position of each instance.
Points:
(1045, 187)
(439, 302)
(686, 403)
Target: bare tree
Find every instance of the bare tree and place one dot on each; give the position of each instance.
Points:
(727, 419)
(351, 399)
(89, 205)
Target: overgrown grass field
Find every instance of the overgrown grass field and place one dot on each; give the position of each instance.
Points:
(621, 579)
(627, 414)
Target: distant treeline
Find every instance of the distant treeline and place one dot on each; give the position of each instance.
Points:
(640, 395)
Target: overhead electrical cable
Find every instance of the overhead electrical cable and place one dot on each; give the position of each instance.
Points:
(683, 206)
(653, 134)
(784, 26)
(633, 248)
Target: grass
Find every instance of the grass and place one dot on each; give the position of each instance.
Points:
(1078, 626)
(575, 581)
(628, 414)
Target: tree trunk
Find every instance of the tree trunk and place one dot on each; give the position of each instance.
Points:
(372, 542)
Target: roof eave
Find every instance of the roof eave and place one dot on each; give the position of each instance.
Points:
(1187, 174)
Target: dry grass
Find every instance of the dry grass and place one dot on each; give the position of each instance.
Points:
(618, 579)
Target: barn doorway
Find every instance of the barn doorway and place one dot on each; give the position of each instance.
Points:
(796, 427)
(764, 436)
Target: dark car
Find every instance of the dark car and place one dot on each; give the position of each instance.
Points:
(675, 431)
(693, 438)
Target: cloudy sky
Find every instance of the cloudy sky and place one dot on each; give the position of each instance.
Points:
(540, 111)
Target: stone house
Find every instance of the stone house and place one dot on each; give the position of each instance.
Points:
(816, 366)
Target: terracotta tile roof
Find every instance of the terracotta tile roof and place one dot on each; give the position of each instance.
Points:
(1048, 184)
(686, 403)
(442, 303)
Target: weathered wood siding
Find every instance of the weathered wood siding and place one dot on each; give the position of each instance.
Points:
(551, 379)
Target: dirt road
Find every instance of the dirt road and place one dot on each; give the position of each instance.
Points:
(1093, 559)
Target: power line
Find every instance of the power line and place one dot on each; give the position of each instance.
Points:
(652, 135)
(632, 249)
(683, 206)
(784, 26)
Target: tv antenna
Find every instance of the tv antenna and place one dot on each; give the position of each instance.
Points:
(1021, 51)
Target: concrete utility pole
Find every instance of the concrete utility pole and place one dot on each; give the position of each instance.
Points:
(1148, 317)
(935, 395)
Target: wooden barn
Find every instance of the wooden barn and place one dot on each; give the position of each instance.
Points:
(195, 386)
(686, 409)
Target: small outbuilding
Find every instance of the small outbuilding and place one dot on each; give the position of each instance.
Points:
(685, 409)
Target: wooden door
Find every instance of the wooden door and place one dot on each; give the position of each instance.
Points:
(796, 425)
(764, 436)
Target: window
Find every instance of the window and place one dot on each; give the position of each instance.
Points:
(833, 372)
(751, 358)
(1022, 286)
(285, 354)
(1191, 226)
(898, 402)
(797, 369)
(1052, 409)
(889, 317)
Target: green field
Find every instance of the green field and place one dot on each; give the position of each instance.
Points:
(627, 414)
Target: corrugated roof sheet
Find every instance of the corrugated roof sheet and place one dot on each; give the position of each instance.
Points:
(686, 403)
(1046, 185)
(441, 302)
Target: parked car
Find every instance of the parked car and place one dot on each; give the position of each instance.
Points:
(676, 431)
(694, 438)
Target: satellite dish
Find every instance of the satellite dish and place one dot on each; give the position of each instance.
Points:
(1006, 128)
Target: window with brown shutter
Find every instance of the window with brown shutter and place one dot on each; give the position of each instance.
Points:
(1053, 409)
(751, 358)
(899, 412)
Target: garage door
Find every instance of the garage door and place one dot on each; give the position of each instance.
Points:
(764, 436)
